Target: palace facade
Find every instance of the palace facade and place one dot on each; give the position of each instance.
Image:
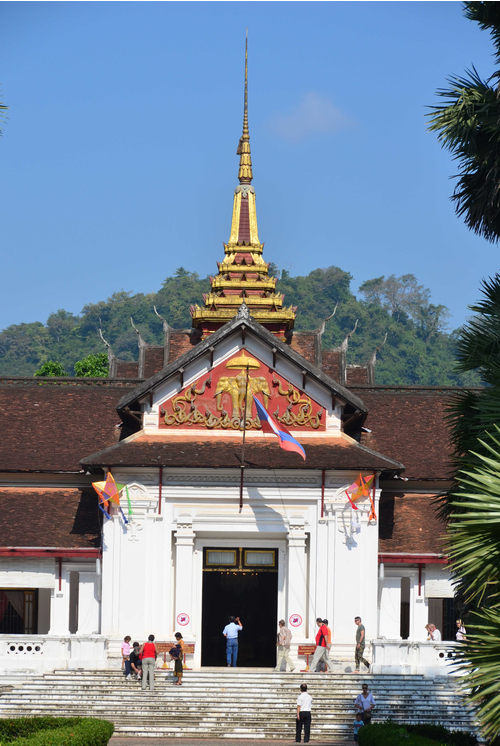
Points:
(216, 518)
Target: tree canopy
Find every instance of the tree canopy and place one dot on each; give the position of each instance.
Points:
(468, 125)
(419, 348)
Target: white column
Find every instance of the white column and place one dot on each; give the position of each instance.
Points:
(297, 580)
(184, 553)
(88, 605)
(59, 602)
(390, 608)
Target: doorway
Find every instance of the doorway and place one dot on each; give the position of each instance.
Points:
(240, 582)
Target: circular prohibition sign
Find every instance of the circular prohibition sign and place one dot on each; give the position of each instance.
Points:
(183, 619)
(295, 620)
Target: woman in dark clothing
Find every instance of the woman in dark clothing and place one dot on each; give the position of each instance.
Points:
(177, 655)
(135, 661)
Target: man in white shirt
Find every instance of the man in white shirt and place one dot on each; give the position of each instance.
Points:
(364, 704)
(434, 633)
(230, 632)
(304, 702)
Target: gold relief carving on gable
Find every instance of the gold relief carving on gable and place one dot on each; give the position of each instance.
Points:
(217, 402)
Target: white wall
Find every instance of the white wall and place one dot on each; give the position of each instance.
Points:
(152, 567)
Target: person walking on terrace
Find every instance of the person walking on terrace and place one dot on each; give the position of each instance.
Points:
(360, 645)
(322, 646)
(283, 647)
(434, 633)
(230, 632)
(461, 633)
(149, 655)
(304, 704)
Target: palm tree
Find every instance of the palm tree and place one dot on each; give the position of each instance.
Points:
(473, 412)
(475, 556)
(468, 125)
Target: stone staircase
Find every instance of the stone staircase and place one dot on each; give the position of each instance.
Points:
(235, 703)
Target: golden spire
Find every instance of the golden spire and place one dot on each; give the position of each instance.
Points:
(245, 174)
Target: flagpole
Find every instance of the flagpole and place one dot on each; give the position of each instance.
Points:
(242, 477)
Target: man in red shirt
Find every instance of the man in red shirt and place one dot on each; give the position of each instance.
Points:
(322, 646)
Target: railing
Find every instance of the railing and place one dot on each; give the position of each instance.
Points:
(413, 657)
(24, 647)
(45, 652)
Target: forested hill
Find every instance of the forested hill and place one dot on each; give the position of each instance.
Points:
(419, 349)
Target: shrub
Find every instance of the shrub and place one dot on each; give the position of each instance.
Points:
(95, 366)
(51, 731)
(392, 734)
(51, 368)
(443, 735)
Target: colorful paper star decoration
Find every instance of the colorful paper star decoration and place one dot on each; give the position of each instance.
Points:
(109, 491)
(362, 487)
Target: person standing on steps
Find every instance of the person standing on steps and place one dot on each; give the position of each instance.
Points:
(321, 652)
(230, 632)
(328, 639)
(149, 654)
(364, 704)
(283, 647)
(126, 657)
(304, 703)
(179, 662)
(360, 645)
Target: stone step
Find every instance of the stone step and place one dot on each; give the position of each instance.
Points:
(237, 703)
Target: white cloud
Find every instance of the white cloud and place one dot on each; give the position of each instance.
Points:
(314, 115)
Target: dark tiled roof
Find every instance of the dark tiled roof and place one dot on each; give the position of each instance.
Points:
(241, 323)
(262, 452)
(408, 424)
(153, 360)
(409, 524)
(49, 426)
(62, 518)
(181, 342)
(305, 344)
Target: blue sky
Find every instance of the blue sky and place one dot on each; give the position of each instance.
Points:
(118, 160)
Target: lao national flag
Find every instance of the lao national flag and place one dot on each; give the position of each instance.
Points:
(269, 425)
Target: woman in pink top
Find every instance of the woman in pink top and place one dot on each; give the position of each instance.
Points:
(148, 653)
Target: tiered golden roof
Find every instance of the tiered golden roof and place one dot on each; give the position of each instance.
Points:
(243, 275)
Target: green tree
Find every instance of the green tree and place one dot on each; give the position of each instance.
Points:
(475, 412)
(468, 125)
(92, 366)
(50, 368)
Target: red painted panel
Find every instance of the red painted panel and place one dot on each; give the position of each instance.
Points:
(216, 400)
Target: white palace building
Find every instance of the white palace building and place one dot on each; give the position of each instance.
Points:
(199, 537)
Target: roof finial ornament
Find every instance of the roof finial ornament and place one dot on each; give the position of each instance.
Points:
(243, 312)
(245, 174)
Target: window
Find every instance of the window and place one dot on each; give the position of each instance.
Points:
(18, 611)
(217, 559)
(256, 558)
(220, 557)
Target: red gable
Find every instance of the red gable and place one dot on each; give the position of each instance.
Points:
(217, 400)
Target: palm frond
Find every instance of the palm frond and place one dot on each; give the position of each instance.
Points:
(478, 660)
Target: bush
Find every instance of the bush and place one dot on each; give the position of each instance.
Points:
(51, 369)
(392, 734)
(443, 735)
(51, 731)
(95, 366)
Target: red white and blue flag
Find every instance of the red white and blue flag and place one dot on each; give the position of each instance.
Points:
(269, 425)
